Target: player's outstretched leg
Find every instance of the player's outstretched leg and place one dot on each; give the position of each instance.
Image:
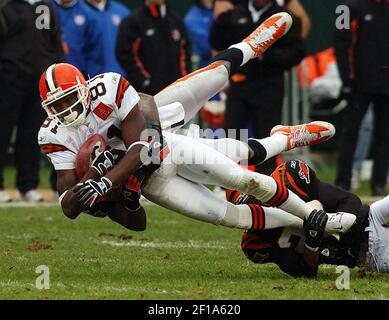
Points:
(202, 164)
(262, 38)
(193, 90)
(283, 138)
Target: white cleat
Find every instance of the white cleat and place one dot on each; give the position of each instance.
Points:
(340, 222)
(5, 196)
(269, 32)
(305, 134)
(32, 196)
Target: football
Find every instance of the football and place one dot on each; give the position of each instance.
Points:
(83, 159)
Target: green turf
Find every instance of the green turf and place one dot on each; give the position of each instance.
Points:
(10, 177)
(176, 258)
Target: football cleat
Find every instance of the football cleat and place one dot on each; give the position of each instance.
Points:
(269, 32)
(305, 134)
(5, 196)
(32, 196)
(340, 222)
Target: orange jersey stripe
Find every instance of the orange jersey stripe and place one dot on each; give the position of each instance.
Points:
(122, 87)
(51, 148)
(254, 214)
(192, 74)
(295, 186)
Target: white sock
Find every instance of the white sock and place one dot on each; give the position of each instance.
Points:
(296, 206)
(237, 216)
(274, 145)
(276, 218)
(264, 188)
(248, 53)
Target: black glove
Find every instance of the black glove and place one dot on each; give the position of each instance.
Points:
(90, 190)
(102, 161)
(314, 227)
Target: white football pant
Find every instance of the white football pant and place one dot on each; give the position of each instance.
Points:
(379, 236)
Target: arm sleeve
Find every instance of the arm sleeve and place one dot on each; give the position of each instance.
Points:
(288, 51)
(338, 199)
(127, 49)
(344, 39)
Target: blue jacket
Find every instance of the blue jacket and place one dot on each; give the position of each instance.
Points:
(109, 21)
(81, 37)
(198, 22)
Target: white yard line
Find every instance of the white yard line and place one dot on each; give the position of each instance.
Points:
(93, 288)
(192, 244)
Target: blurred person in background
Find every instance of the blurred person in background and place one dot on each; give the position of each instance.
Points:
(81, 36)
(109, 14)
(153, 47)
(256, 91)
(294, 6)
(29, 43)
(198, 22)
(363, 60)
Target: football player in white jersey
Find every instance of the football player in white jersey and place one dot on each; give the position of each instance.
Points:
(107, 105)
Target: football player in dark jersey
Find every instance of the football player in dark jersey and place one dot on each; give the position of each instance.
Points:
(299, 251)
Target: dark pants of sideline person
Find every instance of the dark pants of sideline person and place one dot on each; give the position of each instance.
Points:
(260, 104)
(353, 117)
(20, 107)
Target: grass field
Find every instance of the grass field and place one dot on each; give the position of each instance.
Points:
(175, 258)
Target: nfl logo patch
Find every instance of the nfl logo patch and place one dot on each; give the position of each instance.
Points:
(116, 20)
(102, 111)
(79, 20)
(176, 35)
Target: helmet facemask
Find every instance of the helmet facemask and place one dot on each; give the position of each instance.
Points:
(77, 97)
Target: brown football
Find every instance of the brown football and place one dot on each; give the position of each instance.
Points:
(83, 159)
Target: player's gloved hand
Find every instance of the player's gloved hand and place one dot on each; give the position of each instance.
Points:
(314, 227)
(102, 161)
(90, 190)
(131, 190)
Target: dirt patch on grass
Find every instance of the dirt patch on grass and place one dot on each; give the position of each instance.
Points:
(37, 246)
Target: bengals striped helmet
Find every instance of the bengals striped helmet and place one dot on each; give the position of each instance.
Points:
(65, 94)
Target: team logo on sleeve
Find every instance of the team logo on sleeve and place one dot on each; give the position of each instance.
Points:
(79, 20)
(176, 34)
(116, 20)
(304, 172)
